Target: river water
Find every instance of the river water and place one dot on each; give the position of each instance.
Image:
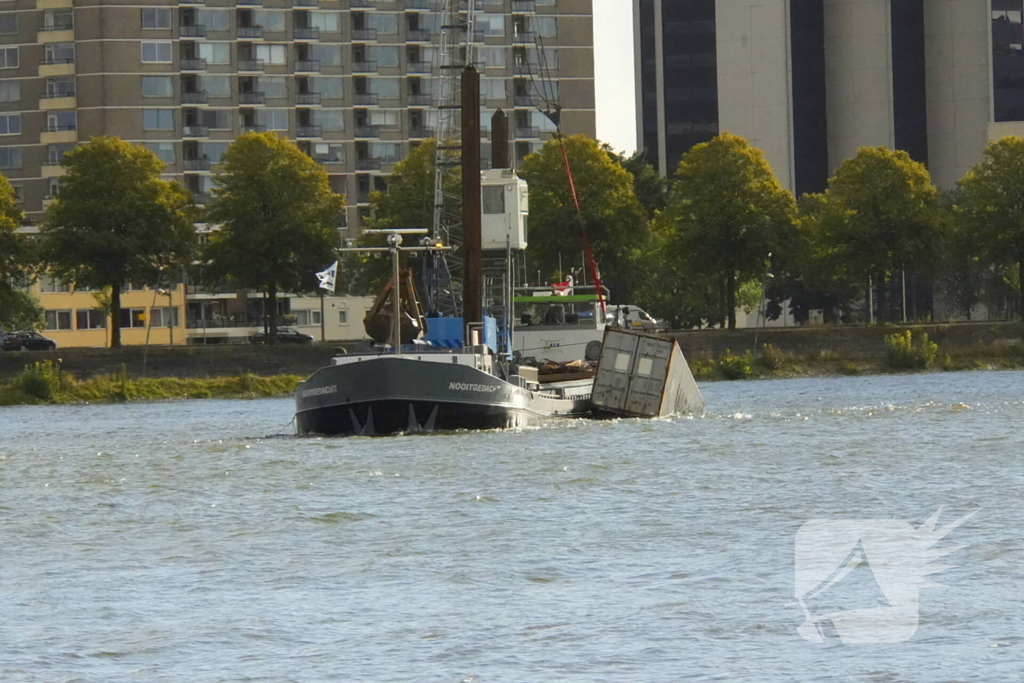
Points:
(180, 541)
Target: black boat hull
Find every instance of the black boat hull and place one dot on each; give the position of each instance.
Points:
(381, 395)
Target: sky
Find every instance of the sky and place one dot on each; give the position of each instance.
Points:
(613, 73)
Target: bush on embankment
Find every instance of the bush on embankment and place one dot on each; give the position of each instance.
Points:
(44, 382)
(903, 353)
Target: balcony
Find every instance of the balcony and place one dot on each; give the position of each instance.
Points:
(250, 32)
(417, 4)
(524, 69)
(54, 128)
(307, 98)
(306, 65)
(59, 93)
(417, 35)
(250, 65)
(420, 100)
(365, 99)
(307, 33)
(201, 197)
(367, 164)
(364, 34)
(188, 131)
(191, 2)
(521, 6)
(360, 3)
(188, 64)
(195, 97)
(421, 133)
(419, 67)
(522, 37)
(305, 3)
(309, 131)
(362, 196)
(367, 131)
(193, 31)
(47, 61)
(251, 97)
(523, 100)
(527, 132)
(64, 26)
(197, 164)
(249, 3)
(253, 128)
(364, 67)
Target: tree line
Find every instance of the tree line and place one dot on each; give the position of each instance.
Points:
(720, 234)
(115, 220)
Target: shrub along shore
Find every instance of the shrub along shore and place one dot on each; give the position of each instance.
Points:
(47, 382)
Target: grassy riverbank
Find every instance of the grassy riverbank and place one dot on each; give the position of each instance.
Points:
(774, 364)
(44, 382)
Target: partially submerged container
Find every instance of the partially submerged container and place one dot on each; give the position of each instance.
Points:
(644, 375)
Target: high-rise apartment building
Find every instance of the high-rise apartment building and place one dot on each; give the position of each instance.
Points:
(353, 82)
(809, 81)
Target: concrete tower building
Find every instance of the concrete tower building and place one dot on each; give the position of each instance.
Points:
(350, 80)
(809, 81)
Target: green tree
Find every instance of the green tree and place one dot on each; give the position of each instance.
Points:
(277, 217)
(881, 213)
(990, 209)
(18, 309)
(115, 221)
(408, 202)
(613, 218)
(650, 188)
(726, 212)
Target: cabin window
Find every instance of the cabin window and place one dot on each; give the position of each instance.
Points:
(494, 199)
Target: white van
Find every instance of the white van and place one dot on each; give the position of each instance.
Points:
(632, 317)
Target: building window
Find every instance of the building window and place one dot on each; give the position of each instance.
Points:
(305, 318)
(274, 87)
(8, 24)
(383, 22)
(156, 52)
(61, 120)
(273, 119)
(216, 86)
(10, 157)
(59, 19)
(547, 27)
(215, 19)
(51, 285)
(90, 319)
(343, 317)
(217, 119)
(270, 21)
(8, 58)
(272, 54)
(325, 152)
(157, 119)
(58, 320)
(164, 150)
(157, 86)
(19, 192)
(10, 124)
(10, 91)
(329, 88)
(215, 53)
(491, 25)
(383, 55)
(156, 18)
(332, 120)
(327, 55)
(60, 86)
(327, 22)
(164, 317)
(132, 317)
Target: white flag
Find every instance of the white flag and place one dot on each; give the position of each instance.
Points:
(328, 277)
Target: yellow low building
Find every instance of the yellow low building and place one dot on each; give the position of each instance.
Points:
(73, 318)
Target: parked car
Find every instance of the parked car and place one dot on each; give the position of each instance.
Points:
(285, 335)
(29, 340)
(632, 317)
